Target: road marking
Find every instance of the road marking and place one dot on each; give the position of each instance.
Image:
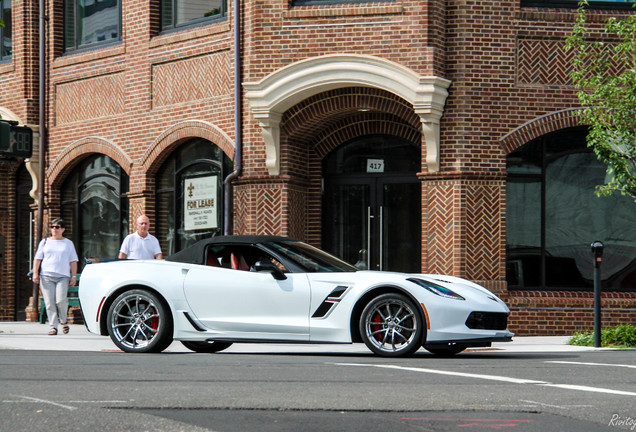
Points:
(590, 389)
(535, 403)
(441, 372)
(592, 364)
(496, 424)
(70, 408)
(98, 401)
(494, 378)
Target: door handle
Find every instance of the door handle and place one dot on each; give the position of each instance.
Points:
(369, 217)
(381, 238)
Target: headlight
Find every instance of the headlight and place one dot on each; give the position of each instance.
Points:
(436, 289)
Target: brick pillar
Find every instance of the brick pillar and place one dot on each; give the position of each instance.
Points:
(463, 227)
(259, 208)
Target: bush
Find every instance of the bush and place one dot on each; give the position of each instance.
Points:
(623, 335)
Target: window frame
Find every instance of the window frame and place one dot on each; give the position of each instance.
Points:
(222, 16)
(3, 31)
(77, 45)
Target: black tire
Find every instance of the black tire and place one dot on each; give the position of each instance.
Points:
(446, 351)
(138, 322)
(206, 347)
(391, 326)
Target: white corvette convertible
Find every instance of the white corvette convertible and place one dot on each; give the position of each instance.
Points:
(232, 289)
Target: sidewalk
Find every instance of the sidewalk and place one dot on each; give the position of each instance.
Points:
(33, 336)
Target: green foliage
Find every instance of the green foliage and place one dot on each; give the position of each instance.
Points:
(623, 335)
(608, 98)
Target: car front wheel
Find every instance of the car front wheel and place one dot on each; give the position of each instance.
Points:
(391, 326)
(139, 322)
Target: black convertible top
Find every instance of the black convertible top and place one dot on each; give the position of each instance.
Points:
(195, 254)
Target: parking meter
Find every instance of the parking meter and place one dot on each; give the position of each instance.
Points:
(597, 250)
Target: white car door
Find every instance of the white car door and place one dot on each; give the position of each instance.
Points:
(249, 305)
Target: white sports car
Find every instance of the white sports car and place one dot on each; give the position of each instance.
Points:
(231, 289)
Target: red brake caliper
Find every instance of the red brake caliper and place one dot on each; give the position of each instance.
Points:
(154, 323)
(376, 327)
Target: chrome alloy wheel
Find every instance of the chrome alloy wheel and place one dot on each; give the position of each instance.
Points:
(137, 322)
(390, 326)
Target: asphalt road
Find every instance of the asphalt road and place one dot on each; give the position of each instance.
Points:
(328, 391)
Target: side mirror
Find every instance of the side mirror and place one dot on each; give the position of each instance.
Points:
(268, 266)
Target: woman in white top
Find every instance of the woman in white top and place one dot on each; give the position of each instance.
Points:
(55, 268)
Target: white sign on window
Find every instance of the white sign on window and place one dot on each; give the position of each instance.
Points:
(199, 203)
(375, 165)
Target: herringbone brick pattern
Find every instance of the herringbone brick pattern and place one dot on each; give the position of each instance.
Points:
(268, 211)
(241, 210)
(543, 62)
(546, 62)
(97, 97)
(440, 229)
(296, 213)
(191, 79)
(483, 231)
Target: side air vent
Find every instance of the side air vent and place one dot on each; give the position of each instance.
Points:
(330, 301)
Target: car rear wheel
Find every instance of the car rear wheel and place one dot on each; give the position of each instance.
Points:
(391, 326)
(206, 347)
(139, 322)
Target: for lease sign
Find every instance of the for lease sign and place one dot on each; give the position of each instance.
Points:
(200, 203)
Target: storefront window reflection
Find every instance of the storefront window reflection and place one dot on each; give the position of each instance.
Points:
(194, 164)
(94, 202)
(553, 215)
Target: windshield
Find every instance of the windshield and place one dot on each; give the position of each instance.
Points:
(309, 258)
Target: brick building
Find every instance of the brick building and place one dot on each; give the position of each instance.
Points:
(421, 136)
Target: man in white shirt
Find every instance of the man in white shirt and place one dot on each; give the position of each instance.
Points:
(140, 244)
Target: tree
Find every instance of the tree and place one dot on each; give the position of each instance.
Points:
(605, 75)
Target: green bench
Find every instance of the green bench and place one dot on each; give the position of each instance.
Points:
(73, 300)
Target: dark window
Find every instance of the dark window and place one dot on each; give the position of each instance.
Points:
(5, 32)
(95, 207)
(553, 215)
(594, 4)
(89, 23)
(183, 214)
(182, 13)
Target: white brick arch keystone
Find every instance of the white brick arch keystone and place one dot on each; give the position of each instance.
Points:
(284, 88)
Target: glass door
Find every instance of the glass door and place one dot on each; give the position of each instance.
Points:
(372, 203)
(374, 223)
(346, 221)
(401, 219)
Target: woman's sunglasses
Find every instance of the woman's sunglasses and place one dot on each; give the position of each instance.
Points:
(56, 227)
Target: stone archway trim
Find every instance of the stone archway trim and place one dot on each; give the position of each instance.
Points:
(270, 97)
(91, 144)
